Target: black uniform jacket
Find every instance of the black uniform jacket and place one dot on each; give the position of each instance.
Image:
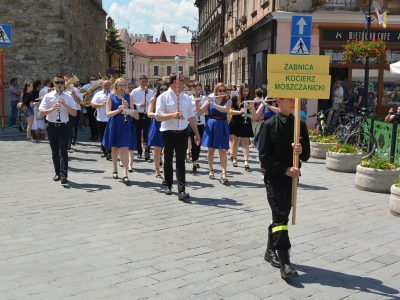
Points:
(276, 151)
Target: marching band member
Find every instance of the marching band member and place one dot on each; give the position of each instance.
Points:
(240, 126)
(56, 106)
(90, 110)
(99, 102)
(174, 109)
(45, 89)
(73, 121)
(155, 137)
(118, 135)
(216, 132)
(141, 97)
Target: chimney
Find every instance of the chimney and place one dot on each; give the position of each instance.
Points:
(109, 22)
(172, 38)
(149, 38)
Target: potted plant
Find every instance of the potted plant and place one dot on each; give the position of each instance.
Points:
(395, 198)
(376, 175)
(343, 158)
(360, 50)
(320, 143)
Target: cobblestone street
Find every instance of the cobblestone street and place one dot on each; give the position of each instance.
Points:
(98, 239)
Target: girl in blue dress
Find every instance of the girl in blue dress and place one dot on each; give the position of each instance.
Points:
(154, 137)
(216, 131)
(118, 134)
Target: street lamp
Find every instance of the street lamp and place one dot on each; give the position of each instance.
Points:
(177, 61)
(366, 79)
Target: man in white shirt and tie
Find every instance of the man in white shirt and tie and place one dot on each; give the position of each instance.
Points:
(141, 97)
(174, 128)
(57, 106)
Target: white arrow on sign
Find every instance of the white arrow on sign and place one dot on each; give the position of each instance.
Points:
(301, 23)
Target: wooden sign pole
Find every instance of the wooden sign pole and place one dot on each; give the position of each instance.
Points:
(296, 140)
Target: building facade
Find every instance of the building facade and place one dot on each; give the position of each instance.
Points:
(55, 38)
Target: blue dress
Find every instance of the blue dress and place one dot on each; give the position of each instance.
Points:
(216, 132)
(119, 134)
(154, 137)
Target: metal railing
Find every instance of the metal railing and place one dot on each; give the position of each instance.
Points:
(340, 3)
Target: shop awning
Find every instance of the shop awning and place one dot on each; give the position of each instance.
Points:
(395, 68)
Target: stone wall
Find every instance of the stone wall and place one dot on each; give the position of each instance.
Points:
(54, 37)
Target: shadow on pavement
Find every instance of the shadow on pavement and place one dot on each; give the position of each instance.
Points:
(81, 159)
(85, 170)
(315, 162)
(88, 187)
(338, 279)
(220, 203)
(311, 187)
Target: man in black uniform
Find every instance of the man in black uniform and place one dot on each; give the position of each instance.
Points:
(276, 158)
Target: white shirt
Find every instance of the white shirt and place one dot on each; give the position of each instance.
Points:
(79, 95)
(43, 91)
(202, 119)
(52, 98)
(99, 98)
(166, 104)
(138, 95)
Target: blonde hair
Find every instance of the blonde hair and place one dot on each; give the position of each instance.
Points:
(216, 87)
(116, 83)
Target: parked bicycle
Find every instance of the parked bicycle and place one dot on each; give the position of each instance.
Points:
(321, 122)
(361, 139)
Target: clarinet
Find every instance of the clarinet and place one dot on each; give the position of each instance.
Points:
(59, 109)
(198, 117)
(145, 99)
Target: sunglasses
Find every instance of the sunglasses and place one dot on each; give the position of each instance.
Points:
(59, 82)
(222, 91)
(229, 90)
(121, 84)
(162, 90)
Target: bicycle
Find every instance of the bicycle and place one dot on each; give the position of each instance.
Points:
(361, 139)
(321, 123)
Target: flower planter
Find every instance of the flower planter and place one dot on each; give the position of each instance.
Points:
(375, 180)
(343, 162)
(395, 200)
(318, 150)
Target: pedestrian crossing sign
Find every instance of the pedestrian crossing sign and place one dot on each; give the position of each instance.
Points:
(5, 35)
(300, 45)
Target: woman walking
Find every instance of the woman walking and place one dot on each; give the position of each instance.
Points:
(29, 101)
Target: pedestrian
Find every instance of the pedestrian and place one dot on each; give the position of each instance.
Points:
(276, 158)
(216, 131)
(359, 95)
(29, 101)
(118, 135)
(38, 120)
(56, 106)
(174, 109)
(89, 110)
(15, 97)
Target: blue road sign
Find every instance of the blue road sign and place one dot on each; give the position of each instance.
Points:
(5, 35)
(300, 45)
(301, 25)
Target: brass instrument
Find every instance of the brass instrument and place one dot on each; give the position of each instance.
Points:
(59, 109)
(73, 79)
(87, 98)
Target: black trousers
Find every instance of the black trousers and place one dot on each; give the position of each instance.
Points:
(102, 127)
(196, 149)
(58, 139)
(177, 141)
(143, 124)
(92, 121)
(73, 126)
(279, 193)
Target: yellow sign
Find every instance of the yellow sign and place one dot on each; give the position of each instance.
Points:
(297, 64)
(299, 86)
(292, 76)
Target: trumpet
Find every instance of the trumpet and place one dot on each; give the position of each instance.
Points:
(59, 109)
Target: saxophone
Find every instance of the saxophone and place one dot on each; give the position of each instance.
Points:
(87, 98)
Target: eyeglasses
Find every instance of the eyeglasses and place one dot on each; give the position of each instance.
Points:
(229, 90)
(162, 90)
(222, 91)
(59, 82)
(92, 79)
(121, 84)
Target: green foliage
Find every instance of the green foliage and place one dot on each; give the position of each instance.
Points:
(112, 40)
(344, 148)
(363, 49)
(378, 163)
(314, 137)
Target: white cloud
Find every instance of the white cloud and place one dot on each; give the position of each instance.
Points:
(150, 16)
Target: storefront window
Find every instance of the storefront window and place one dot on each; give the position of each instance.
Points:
(391, 89)
(335, 56)
(359, 75)
(392, 56)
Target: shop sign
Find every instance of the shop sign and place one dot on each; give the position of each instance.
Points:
(344, 35)
(298, 76)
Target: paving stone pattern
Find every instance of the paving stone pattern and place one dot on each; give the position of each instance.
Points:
(98, 239)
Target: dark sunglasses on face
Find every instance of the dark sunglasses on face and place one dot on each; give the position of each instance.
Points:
(222, 91)
(162, 90)
(59, 82)
(229, 90)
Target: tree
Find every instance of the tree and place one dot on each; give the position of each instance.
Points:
(113, 41)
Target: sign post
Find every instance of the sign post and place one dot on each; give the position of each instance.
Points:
(298, 77)
(5, 40)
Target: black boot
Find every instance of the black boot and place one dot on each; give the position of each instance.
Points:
(287, 270)
(271, 257)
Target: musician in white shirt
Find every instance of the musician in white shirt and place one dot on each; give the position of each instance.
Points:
(57, 106)
(73, 121)
(99, 103)
(174, 128)
(141, 97)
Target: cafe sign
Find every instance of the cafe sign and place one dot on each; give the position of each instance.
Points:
(336, 35)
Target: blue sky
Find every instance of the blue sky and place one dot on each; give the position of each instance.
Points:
(150, 16)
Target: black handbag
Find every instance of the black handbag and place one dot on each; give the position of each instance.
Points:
(22, 107)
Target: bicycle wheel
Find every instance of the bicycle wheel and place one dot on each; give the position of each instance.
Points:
(364, 141)
(341, 132)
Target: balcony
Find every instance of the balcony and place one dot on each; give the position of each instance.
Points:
(339, 4)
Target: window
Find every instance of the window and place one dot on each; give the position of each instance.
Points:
(181, 69)
(191, 71)
(169, 70)
(155, 73)
(243, 69)
(245, 8)
(133, 66)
